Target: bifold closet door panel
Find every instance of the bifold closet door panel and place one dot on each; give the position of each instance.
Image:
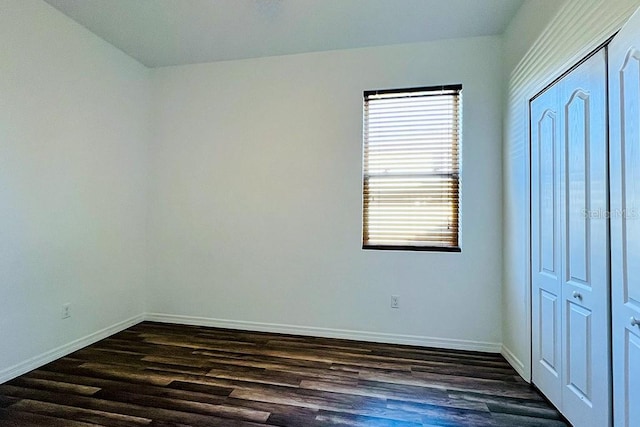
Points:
(624, 128)
(585, 295)
(545, 244)
(569, 244)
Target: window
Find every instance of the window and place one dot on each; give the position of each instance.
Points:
(411, 169)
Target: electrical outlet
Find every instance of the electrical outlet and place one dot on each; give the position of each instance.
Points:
(66, 310)
(395, 301)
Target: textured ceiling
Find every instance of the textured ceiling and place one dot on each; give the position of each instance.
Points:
(173, 32)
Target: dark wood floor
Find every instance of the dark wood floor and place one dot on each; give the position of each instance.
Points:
(168, 375)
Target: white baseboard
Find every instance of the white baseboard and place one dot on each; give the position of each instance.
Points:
(515, 363)
(487, 347)
(63, 350)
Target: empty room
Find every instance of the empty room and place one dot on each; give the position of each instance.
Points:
(320, 213)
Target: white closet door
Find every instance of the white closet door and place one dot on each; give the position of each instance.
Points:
(570, 253)
(545, 240)
(624, 116)
(585, 294)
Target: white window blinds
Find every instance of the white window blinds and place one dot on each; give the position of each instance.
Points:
(411, 168)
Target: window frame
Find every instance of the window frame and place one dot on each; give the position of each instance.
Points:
(418, 247)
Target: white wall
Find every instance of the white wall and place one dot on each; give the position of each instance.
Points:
(256, 200)
(74, 132)
(542, 41)
(255, 195)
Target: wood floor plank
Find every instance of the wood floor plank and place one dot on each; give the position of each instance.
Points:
(406, 393)
(54, 386)
(161, 375)
(79, 414)
(6, 401)
(509, 420)
(345, 404)
(212, 394)
(13, 418)
(327, 418)
(192, 406)
(451, 417)
(449, 382)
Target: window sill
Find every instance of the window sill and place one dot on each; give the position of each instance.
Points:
(412, 248)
